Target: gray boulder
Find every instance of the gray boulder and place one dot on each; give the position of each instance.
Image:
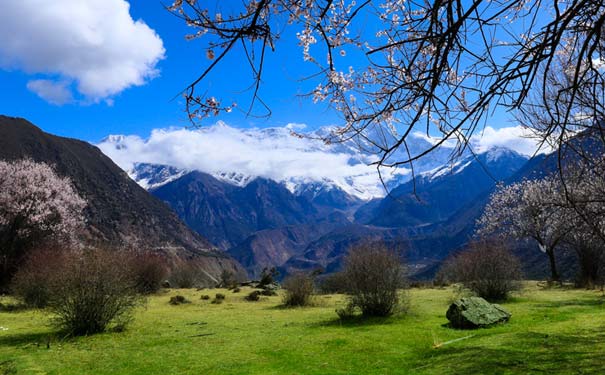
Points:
(475, 312)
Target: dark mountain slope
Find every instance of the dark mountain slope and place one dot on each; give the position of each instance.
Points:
(119, 211)
(228, 214)
(274, 247)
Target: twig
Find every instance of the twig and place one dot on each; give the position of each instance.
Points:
(437, 346)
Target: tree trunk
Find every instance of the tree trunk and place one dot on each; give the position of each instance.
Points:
(554, 274)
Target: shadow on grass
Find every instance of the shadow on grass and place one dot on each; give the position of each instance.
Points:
(14, 307)
(580, 302)
(37, 339)
(526, 353)
(282, 306)
(355, 321)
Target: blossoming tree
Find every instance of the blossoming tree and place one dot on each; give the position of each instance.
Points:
(532, 209)
(36, 205)
(392, 67)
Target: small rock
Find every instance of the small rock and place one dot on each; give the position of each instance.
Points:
(475, 312)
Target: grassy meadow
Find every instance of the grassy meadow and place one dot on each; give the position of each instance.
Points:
(552, 331)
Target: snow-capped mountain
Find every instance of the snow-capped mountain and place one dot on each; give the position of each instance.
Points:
(151, 176)
(238, 156)
(438, 193)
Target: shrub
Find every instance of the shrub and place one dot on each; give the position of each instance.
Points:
(268, 276)
(346, 313)
(205, 297)
(218, 298)
(253, 296)
(373, 275)
(185, 274)
(149, 272)
(299, 289)
(269, 291)
(178, 300)
(31, 282)
(236, 290)
(488, 269)
(91, 290)
(228, 280)
(333, 283)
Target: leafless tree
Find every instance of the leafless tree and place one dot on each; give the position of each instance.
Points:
(392, 67)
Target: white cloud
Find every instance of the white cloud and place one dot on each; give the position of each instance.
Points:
(517, 138)
(57, 93)
(276, 154)
(271, 153)
(93, 43)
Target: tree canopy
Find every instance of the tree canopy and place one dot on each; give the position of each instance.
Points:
(441, 67)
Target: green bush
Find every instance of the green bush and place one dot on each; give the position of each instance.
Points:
(178, 300)
(253, 296)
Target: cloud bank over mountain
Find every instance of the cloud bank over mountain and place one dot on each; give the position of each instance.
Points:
(271, 153)
(92, 47)
(276, 154)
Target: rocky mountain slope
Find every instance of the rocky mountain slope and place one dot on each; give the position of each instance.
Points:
(262, 223)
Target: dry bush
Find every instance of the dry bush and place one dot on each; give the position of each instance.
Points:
(185, 274)
(333, 283)
(374, 274)
(30, 283)
(149, 271)
(91, 290)
(299, 289)
(488, 269)
(228, 280)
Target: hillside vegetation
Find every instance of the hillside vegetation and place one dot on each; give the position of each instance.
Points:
(552, 331)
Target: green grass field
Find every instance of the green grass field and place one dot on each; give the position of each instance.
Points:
(551, 331)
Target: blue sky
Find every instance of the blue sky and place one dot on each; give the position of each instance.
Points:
(92, 68)
(139, 109)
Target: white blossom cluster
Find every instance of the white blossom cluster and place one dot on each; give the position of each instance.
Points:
(34, 200)
(553, 211)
